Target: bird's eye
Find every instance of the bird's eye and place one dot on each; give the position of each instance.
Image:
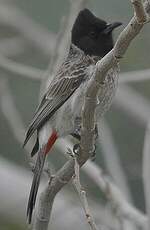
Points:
(93, 34)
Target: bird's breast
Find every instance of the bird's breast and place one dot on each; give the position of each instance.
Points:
(105, 94)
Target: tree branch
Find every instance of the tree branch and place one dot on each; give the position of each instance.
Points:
(64, 175)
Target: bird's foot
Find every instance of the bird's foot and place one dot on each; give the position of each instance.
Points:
(76, 149)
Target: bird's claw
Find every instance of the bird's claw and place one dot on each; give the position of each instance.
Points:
(76, 149)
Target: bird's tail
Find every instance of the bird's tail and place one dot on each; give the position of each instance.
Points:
(35, 183)
(37, 173)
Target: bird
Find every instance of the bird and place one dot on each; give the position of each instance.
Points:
(59, 112)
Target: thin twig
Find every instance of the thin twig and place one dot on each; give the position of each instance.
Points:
(82, 195)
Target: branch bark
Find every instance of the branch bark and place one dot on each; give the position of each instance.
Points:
(139, 11)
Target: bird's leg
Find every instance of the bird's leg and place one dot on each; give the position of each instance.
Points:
(93, 156)
(77, 125)
(77, 135)
(76, 149)
(77, 128)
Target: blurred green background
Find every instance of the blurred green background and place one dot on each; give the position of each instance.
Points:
(128, 134)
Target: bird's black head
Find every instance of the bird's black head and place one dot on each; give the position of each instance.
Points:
(92, 35)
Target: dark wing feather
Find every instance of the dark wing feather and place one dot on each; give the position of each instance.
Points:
(58, 93)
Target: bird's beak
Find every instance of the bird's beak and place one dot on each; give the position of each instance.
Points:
(111, 27)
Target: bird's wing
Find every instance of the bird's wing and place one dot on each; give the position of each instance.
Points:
(58, 93)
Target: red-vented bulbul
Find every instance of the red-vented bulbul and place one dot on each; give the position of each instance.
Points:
(59, 112)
